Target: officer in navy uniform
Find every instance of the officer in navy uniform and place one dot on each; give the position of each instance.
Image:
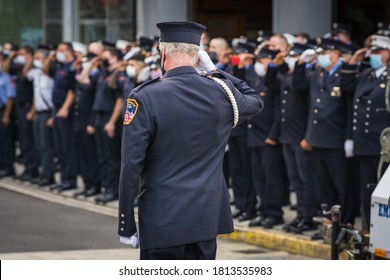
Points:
(327, 122)
(268, 168)
(239, 153)
(294, 106)
(59, 66)
(369, 116)
(352, 205)
(25, 111)
(175, 133)
(7, 123)
(108, 108)
(86, 145)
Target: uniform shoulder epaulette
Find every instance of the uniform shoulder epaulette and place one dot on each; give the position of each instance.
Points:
(214, 73)
(144, 84)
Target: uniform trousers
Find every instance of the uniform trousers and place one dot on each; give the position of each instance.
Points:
(65, 147)
(7, 144)
(88, 159)
(274, 181)
(26, 138)
(204, 250)
(240, 171)
(43, 136)
(331, 171)
(300, 171)
(109, 152)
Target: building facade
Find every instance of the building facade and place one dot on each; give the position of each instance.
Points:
(51, 21)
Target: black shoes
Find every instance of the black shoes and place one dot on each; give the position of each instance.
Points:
(270, 222)
(87, 192)
(289, 226)
(67, 187)
(256, 222)
(303, 226)
(46, 181)
(236, 213)
(106, 197)
(246, 217)
(317, 236)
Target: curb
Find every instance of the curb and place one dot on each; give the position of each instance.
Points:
(280, 242)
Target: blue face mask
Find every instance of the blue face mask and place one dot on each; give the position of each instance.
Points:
(376, 61)
(323, 60)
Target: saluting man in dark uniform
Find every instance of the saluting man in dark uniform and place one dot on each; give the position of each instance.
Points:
(108, 107)
(294, 112)
(327, 122)
(368, 122)
(175, 133)
(59, 66)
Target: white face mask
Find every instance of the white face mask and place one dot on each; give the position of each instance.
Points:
(37, 63)
(20, 60)
(61, 57)
(260, 69)
(130, 71)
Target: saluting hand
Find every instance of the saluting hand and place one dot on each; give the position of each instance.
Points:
(358, 56)
(279, 58)
(109, 128)
(306, 146)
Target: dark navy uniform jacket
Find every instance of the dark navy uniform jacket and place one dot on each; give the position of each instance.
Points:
(64, 80)
(85, 95)
(24, 87)
(327, 123)
(105, 96)
(175, 140)
(294, 106)
(367, 121)
(267, 123)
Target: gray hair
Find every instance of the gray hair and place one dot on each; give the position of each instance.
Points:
(181, 53)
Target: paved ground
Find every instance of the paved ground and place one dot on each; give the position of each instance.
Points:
(54, 227)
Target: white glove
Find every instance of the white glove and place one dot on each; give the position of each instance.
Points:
(348, 148)
(204, 62)
(308, 55)
(133, 241)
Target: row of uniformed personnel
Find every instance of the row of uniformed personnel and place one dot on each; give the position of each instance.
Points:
(323, 116)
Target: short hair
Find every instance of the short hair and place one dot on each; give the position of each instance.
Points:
(181, 52)
(114, 52)
(28, 49)
(44, 52)
(221, 42)
(68, 45)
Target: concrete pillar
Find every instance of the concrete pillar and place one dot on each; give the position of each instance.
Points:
(149, 12)
(292, 16)
(70, 20)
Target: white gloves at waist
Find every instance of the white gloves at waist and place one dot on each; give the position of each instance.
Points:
(133, 241)
(348, 148)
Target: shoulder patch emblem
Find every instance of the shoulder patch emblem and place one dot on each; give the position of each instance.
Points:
(131, 111)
